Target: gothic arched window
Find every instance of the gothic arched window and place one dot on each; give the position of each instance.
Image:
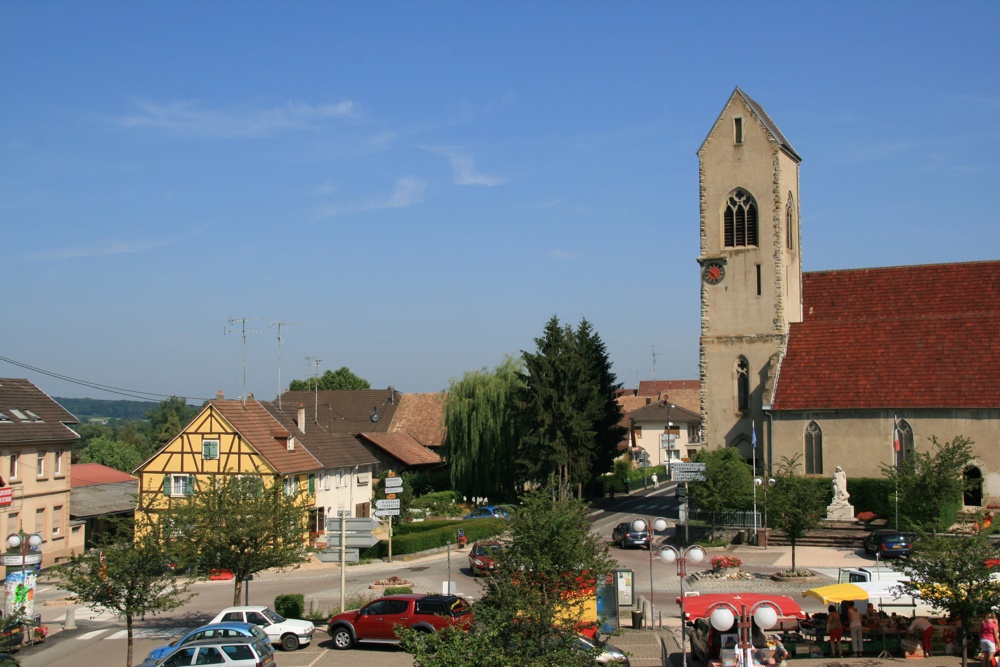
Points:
(790, 222)
(905, 441)
(742, 385)
(740, 220)
(814, 449)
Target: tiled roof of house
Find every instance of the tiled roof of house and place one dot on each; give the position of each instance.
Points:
(89, 474)
(907, 336)
(332, 450)
(403, 447)
(266, 435)
(348, 411)
(27, 414)
(685, 393)
(422, 416)
(658, 412)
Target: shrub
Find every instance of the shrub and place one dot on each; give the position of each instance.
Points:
(434, 534)
(290, 605)
(397, 590)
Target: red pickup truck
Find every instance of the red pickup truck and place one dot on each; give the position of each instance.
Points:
(377, 621)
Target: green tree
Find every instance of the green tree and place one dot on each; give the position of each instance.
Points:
(242, 524)
(522, 617)
(795, 504)
(167, 419)
(117, 454)
(569, 414)
(339, 380)
(482, 435)
(124, 576)
(951, 574)
(930, 482)
(728, 483)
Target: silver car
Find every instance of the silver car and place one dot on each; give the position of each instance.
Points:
(234, 652)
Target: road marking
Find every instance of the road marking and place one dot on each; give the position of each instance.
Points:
(90, 635)
(147, 633)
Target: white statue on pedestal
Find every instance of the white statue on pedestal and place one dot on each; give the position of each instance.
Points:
(840, 509)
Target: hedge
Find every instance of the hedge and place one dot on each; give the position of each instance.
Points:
(439, 534)
(290, 605)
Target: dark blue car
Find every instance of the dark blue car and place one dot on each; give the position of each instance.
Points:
(488, 512)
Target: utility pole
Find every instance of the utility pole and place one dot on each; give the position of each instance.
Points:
(243, 331)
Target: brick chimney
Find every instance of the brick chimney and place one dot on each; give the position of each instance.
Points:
(219, 397)
(302, 418)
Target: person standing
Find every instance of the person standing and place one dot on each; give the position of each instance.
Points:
(835, 629)
(989, 637)
(656, 481)
(854, 622)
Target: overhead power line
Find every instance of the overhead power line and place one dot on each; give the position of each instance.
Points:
(133, 393)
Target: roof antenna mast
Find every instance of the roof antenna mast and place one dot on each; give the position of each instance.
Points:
(279, 324)
(315, 361)
(243, 331)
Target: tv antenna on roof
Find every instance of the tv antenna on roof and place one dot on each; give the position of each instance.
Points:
(279, 324)
(315, 361)
(243, 331)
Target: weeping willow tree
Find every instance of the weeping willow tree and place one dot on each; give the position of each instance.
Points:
(482, 433)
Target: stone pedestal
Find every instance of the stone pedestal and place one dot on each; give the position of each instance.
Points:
(840, 512)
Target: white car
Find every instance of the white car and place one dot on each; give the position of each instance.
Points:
(289, 633)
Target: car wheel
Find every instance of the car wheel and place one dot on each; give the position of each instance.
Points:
(289, 642)
(342, 639)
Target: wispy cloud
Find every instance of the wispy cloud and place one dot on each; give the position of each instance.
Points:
(463, 167)
(406, 193)
(102, 249)
(189, 118)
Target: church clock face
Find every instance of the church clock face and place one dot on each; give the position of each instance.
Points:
(713, 273)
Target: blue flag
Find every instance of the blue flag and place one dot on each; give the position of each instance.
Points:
(753, 435)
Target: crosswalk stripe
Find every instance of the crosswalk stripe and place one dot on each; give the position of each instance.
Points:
(91, 634)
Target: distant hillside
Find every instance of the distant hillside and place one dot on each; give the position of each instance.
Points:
(90, 409)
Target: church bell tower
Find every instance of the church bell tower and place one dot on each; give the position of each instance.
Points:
(750, 268)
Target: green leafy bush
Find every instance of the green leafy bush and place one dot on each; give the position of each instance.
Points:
(436, 534)
(290, 605)
(397, 590)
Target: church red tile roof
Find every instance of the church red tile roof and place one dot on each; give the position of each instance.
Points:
(906, 336)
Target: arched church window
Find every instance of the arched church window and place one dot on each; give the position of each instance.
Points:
(790, 222)
(740, 220)
(742, 385)
(905, 441)
(814, 449)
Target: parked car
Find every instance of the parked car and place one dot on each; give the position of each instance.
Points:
(609, 655)
(377, 620)
(213, 631)
(233, 652)
(887, 543)
(290, 633)
(624, 535)
(483, 556)
(488, 512)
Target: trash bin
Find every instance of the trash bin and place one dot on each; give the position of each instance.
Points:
(637, 619)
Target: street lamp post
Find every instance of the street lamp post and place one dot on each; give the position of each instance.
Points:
(763, 613)
(24, 543)
(760, 481)
(695, 554)
(640, 524)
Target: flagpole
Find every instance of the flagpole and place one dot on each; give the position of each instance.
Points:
(895, 462)
(753, 477)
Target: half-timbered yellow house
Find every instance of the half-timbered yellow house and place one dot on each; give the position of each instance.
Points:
(228, 437)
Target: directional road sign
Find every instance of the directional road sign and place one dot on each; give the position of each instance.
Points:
(689, 476)
(387, 504)
(354, 540)
(333, 555)
(358, 524)
(684, 466)
(394, 482)
(12, 560)
(386, 512)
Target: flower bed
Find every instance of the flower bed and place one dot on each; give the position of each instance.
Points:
(392, 581)
(725, 562)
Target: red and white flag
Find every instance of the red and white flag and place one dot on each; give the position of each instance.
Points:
(895, 434)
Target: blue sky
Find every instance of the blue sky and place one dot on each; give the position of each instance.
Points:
(417, 187)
